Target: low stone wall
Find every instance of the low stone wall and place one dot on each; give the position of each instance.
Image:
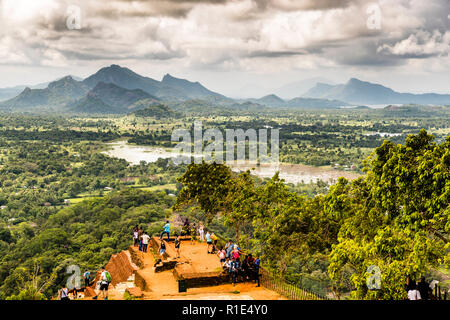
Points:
(136, 258)
(140, 282)
(203, 279)
(120, 267)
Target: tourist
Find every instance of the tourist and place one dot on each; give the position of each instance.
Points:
(229, 248)
(413, 293)
(105, 279)
(63, 293)
(235, 254)
(135, 235)
(225, 266)
(87, 278)
(145, 240)
(193, 233)
(186, 228)
(162, 250)
(235, 269)
(423, 288)
(166, 231)
(208, 241)
(201, 231)
(140, 233)
(214, 242)
(256, 266)
(177, 245)
(222, 254)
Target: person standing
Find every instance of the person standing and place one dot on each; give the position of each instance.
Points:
(235, 270)
(201, 231)
(222, 255)
(193, 233)
(145, 240)
(63, 293)
(229, 248)
(208, 241)
(87, 278)
(214, 242)
(105, 279)
(135, 235)
(177, 245)
(413, 293)
(162, 251)
(256, 265)
(166, 231)
(424, 288)
(140, 233)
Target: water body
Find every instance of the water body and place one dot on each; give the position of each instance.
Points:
(291, 173)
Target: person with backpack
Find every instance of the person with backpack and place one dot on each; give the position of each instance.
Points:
(87, 278)
(166, 231)
(63, 294)
(145, 240)
(105, 279)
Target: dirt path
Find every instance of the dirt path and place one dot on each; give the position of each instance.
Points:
(164, 286)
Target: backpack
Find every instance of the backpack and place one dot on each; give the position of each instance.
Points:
(108, 276)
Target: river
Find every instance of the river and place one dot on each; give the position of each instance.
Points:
(291, 173)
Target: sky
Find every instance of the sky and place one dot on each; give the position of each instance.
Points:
(230, 46)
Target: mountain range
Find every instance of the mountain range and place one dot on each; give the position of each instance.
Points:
(361, 92)
(115, 89)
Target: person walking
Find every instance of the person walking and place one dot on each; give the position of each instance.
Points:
(145, 240)
(177, 245)
(105, 280)
(166, 231)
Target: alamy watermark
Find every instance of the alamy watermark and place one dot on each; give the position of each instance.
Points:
(251, 145)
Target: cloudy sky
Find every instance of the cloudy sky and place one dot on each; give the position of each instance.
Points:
(229, 45)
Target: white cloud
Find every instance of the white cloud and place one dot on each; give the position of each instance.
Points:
(421, 43)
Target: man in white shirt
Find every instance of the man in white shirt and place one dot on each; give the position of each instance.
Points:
(413, 293)
(145, 240)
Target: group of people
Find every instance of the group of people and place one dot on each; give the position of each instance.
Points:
(244, 269)
(102, 286)
(418, 291)
(140, 238)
